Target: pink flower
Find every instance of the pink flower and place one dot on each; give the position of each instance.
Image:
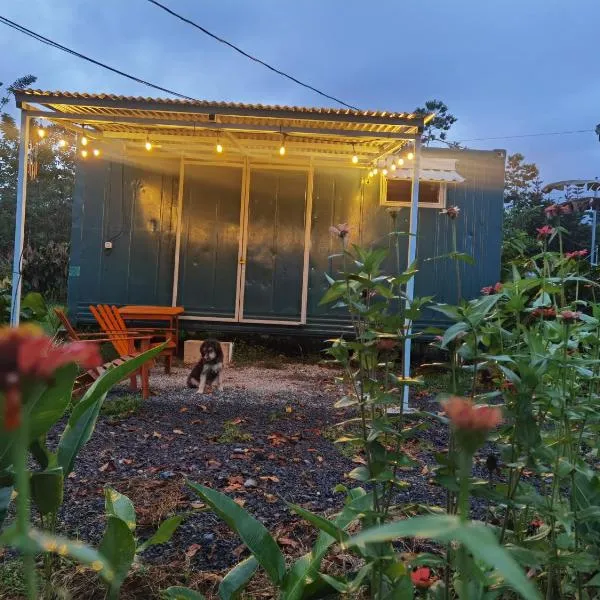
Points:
(486, 291)
(451, 211)
(569, 316)
(546, 313)
(470, 417)
(341, 230)
(498, 287)
(545, 231)
(552, 211)
(576, 254)
(27, 354)
(422, 578)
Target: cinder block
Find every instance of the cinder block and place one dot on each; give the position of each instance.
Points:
(191, 351)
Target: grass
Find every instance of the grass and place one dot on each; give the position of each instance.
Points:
(12, 583)
(121, 407)
(233, 433)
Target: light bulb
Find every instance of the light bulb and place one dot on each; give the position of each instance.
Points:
(282, 149)
(410, 156)
(400, 162)
(148, 145)
(42, 132)
(96, 152)
(384, 171)
(393, 167)
(374, 171)
(62, 143)
(84, 153)
(354, 159)
(84, 140)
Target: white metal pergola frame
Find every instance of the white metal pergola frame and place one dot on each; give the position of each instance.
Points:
(329, 134)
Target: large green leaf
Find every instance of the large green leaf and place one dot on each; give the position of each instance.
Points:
(118, 548)
(40, 541)
(237, 579)
(120, 506)
(47, 490)
(182, 593)
(253, 532)
(53, 402)
(85, 414)
(164, 533)
(322, 523)
(453, 332)
(477, 538)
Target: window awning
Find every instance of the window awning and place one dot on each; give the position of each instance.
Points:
(442, 170)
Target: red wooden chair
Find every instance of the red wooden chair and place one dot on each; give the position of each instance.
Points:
(127, 341)
(111, 322)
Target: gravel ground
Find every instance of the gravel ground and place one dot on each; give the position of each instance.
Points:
(266, 439)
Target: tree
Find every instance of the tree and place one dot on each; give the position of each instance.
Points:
(441, 123)
(49, 191)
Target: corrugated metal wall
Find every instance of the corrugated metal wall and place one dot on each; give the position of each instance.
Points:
(135, 206)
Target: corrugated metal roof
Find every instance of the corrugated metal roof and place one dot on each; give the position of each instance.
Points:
(40, 95)
(428, 175)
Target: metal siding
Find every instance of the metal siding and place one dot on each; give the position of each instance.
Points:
(210, 240)
(275, 247)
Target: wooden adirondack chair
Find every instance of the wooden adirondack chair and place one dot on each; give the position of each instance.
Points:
(111, 322)
(128, 339)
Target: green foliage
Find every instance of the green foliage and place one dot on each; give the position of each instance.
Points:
(122, 406)
(438, 127)
(233, 433)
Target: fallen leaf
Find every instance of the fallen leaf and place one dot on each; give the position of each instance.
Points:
(156, 435)
(197, 421)
(285, 541)
(178, 431)
(320, 459)
(273, 478)
(109, 466)
(288, 409)
(237, 552)
(71, 475)
(355, 459)
(237, 421)
(192, 550)
(270, 498)
(183, 409)
(197, 505)
(240, 502)
(125, 461)
(211, 463)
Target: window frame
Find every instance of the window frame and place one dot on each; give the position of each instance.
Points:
(442, 195)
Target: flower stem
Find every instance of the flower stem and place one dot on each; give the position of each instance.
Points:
(23, 511)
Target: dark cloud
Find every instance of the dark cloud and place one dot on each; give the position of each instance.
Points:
(504, 68)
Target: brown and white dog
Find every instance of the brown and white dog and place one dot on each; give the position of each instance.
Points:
(209, 369)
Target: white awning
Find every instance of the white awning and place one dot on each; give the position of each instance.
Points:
(432, 169)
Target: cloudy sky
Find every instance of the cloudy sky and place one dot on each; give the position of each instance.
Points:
(505, 68)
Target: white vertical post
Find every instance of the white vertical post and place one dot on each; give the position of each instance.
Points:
(178, 231)
(412, 254)
(17, 279)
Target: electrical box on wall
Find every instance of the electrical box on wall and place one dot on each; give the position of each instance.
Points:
(108, 245)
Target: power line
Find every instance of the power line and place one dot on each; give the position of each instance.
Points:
(526, 135)
(247, 55)
(49, 42)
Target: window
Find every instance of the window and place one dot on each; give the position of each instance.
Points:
(396, 192)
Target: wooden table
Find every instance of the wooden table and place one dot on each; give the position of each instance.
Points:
(169, 314)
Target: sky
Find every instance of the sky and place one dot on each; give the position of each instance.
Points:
(504, 67)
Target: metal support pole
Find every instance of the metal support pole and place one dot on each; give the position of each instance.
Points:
(412, 255)
(593, 257)
(15, 307)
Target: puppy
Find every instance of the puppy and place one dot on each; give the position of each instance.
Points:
(209, 369)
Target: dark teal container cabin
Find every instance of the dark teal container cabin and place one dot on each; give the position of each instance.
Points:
(243, 236)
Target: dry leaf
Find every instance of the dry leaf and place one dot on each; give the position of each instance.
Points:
(358, 460)
(192, 550)
(270, 498)
(273, 478)
(197, 505)
(240, 502)
(156, 435)
(197, 421)
(288, 409)
(237, 421)
(211, 463)
(285, 541)
(106, 466)
(178, 431)
(183, 409)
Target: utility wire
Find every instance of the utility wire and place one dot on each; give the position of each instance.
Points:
(527, 135)
(49, 42)
(247, 55)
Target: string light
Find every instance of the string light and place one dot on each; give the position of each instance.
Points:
(219, 147)
(400, 162)
(393, 167)
(96, 152)
(62, 143)
(354, 155)
(84, 153)
(384, 172)
(282, 147)
(148, 144)
(41, 132)
(375, 171)
(84, 140)
(410, 156)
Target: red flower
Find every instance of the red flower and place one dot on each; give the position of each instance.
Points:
(27, 354)
(486, 291)
(341, 230)
(451, 211)
(507, 386)
(569, 316)
(422, 578)
(545, 231)
(552, 211)
(498, 287)
(467, 416)
(546, 313)
(576, 254)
